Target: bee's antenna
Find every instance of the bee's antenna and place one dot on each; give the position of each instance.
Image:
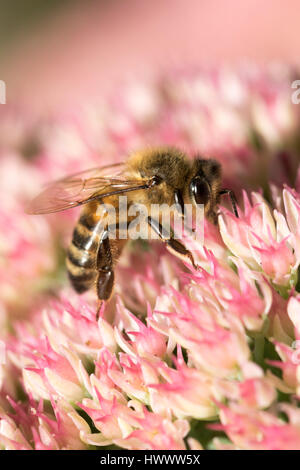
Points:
(232, 199)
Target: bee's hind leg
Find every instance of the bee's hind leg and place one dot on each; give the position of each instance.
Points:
(174, 245)
(105, 277)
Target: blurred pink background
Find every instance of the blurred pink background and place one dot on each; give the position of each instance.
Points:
(87, 48)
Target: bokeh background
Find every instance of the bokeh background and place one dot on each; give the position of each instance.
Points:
(61, 52)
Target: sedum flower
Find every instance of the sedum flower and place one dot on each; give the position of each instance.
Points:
(30, 427)
(145, 340)
(177, 349)
(266, 242)
(185, 391)
(199, 328)
(289, 362)
(260, 430)
(156, 433)
(131, 426)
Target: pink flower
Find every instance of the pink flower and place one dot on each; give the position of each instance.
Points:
(262, 243)
(31, 428)
(259, 430)
(144, 272)
(230, 290)
(156, 433)
(184, 391)
(201, 327)
(254, 391)
(289, 361)
(146, 341)
(176, 345)
(131, 426)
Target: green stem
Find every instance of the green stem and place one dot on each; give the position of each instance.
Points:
(259, 346)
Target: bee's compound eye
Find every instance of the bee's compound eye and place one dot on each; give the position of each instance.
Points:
(200, 190)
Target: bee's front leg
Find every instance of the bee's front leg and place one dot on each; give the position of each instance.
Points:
(174, 245)
(232, 199)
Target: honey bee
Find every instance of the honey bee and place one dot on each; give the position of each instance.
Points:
(151, 176)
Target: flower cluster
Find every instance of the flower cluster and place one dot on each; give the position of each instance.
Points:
(181, 358)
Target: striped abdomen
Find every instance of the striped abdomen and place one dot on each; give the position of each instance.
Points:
(82, 253)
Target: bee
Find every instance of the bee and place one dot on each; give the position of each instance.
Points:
(150, 176)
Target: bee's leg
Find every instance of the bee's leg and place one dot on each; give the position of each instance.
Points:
(105, 277)
(232, 199)
(99, 307)
(172, 243)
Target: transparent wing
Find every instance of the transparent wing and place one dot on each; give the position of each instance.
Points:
(80, 188)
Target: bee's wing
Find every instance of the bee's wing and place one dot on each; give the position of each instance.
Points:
(80, 188)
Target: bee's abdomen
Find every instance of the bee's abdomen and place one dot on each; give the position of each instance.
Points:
(82, 254)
